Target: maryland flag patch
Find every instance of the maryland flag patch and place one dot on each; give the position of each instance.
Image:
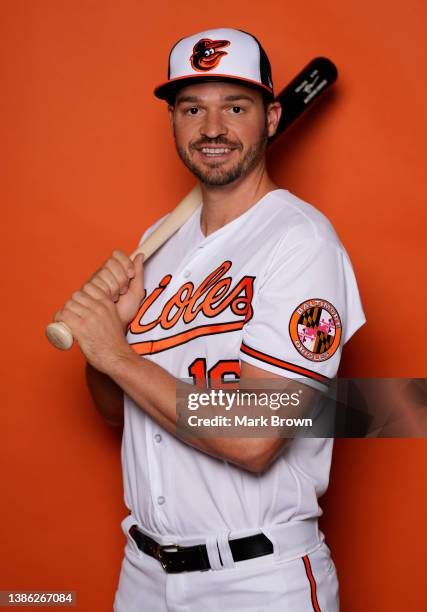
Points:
(315, 329)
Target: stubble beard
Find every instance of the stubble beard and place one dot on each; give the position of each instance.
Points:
(216, 175)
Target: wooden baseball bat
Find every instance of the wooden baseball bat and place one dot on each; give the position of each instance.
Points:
(295, 98)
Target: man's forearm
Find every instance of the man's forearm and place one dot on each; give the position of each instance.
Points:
(153, 389)
(106, 394)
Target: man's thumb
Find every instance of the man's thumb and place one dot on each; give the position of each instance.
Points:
(137, 283)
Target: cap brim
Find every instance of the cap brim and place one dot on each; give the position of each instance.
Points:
(166, 90)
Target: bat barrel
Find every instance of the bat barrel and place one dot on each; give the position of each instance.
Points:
(304, 89)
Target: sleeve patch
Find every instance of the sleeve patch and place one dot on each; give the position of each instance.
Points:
(315, 329)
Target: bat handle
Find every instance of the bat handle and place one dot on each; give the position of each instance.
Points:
(59, 335)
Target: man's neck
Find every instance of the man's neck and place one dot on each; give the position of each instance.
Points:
(225, 203)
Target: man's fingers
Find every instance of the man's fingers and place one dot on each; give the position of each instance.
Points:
(119, 272)
(126, 263)
(100, 284)
(71, 308)
(114, 276)
(109, 279)
(82, 303)
(70, 319)
(96, 289)
(84, 299)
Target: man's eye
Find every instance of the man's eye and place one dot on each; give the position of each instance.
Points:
(193, 110)
(236, 110)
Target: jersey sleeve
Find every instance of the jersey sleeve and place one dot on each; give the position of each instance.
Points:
(306, 308)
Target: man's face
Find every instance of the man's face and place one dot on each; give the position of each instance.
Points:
(221, 130)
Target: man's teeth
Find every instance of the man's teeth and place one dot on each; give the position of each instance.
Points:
(210, 151)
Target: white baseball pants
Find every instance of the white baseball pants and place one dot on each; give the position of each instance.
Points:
(299, 576)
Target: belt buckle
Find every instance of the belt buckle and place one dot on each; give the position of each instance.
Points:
(166, 563)
(167, 548)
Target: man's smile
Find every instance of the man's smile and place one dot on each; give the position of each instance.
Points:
(217, 153)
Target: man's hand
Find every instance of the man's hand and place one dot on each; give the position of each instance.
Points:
(123, 280)
(99, 313)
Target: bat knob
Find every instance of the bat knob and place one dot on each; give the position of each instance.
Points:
(60, 336)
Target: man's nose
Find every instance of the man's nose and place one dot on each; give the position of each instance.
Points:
(213, 125)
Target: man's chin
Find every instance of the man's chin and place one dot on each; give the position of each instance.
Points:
(217, 182)
(217, 179)
(214, 173)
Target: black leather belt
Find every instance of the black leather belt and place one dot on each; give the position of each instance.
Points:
(176, 559)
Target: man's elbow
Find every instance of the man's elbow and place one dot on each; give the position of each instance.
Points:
(259, 456)
(257, 464)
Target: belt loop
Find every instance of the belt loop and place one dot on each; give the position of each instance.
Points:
(272, 537)
(126, 524)
(212, 551)
(294, 539)
(224, 550)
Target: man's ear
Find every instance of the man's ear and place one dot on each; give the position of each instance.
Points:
(171, 110)
(274, 112)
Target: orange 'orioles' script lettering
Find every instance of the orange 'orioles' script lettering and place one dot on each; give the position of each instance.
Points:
(214, 295)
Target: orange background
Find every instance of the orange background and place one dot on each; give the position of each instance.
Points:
(87, 162)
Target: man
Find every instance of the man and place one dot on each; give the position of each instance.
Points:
(243, 289)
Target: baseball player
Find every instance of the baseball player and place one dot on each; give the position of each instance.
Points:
(256, 284)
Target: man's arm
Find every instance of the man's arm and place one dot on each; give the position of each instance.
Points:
(153, 389)
(107, 396)
(117, 280)
(97, 317)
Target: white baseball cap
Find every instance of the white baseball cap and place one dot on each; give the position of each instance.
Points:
(223, 54)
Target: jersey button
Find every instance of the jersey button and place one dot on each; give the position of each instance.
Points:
(161, 500)
(187, 273)
(158, 438)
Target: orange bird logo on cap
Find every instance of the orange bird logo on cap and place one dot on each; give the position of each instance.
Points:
(207, 54)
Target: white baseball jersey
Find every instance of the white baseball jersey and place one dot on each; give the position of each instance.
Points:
(275, 288)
